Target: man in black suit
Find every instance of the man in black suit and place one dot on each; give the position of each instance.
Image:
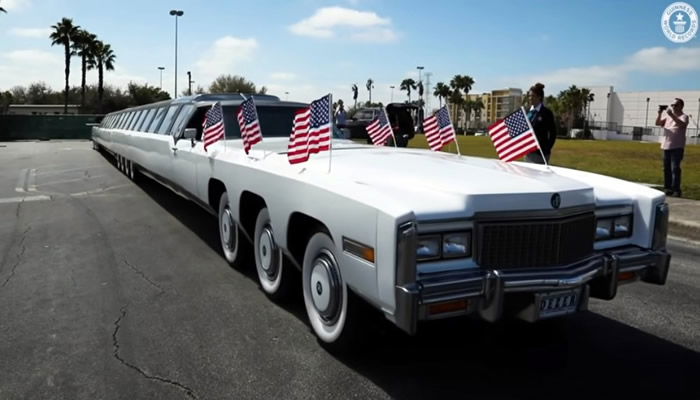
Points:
(542, 120)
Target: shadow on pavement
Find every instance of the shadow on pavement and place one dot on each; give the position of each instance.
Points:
(583, 356)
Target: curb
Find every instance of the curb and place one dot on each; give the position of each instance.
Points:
(684, 229)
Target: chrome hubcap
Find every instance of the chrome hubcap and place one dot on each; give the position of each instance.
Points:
(268, 252)
(227, 229)
(325, 287)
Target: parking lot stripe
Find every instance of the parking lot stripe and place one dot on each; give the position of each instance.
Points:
(24, 199)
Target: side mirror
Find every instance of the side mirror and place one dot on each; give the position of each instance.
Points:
(190, 133)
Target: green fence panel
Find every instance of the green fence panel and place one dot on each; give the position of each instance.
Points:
(44, 127)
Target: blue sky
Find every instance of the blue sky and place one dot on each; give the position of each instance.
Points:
(312, 47)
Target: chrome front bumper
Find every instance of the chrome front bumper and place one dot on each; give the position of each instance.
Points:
(487, 292)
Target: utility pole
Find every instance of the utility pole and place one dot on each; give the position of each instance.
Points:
(646, 117)
(427, 86)
(161, 77)
(392, 92)
(176, 13)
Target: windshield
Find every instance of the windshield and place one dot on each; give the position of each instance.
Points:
(274, 121)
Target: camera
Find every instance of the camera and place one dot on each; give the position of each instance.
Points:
(663, 107)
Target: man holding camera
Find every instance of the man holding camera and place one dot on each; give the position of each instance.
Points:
(674, 123)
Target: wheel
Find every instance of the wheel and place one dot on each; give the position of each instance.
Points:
(273, 274)
(325, 293)
(132, 171)
(229, 233)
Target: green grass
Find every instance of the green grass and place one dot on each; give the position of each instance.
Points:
(632, 161)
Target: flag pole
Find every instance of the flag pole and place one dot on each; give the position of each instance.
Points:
(454, 132)
(392, 129)
(529, 125)
(330, 144)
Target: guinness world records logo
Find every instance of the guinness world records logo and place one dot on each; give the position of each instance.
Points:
(679, 22)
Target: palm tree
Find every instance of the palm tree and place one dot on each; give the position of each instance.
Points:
(462, 82)
(408, 84)
(103, 60)
(370, 85)
(442, 91)
(63, 34)
(84, 46)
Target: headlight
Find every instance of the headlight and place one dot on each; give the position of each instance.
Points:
(456, 244)
(622, 226)
(613, 227)
(428, 247)
(603, 229)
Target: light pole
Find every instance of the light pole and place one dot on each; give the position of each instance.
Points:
(392, 92)
(161, 77)
(286, 94)
(176, 13)
(420, 97)
(189, 83)
(646, 118)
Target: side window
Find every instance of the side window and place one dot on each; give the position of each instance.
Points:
(164, 128)
(197, 120)
(127, 120)
(156, 121)
(120, 123)
(134, 120)
(148, 117)
(181, 118)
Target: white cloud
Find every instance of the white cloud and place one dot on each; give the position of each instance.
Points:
(653, 61)
(223, 56)
(362, 25)
(36, 57)
(283, 76)
(39, 33)
(22, 67)
(11, 5)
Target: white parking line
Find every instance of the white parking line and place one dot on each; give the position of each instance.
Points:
(22, 181)
(84, 178)
(24, 199)
(101, 190)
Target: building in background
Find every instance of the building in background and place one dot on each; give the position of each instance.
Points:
(497, 104)
(625, 111)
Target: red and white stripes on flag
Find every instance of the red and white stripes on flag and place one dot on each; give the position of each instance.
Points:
(438, 129)
(312, 131)
(513, 136)
(380, 130)
(249, 124)
(213, 125)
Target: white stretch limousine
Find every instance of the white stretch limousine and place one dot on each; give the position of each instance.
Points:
(417, 234)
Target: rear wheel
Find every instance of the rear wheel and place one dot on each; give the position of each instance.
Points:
(326, 294)
(228, 231)
(273, 272)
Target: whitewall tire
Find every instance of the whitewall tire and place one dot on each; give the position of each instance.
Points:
(228, 231)
(269, 260)
(325, 292)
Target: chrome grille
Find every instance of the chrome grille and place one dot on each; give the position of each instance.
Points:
(534, 243)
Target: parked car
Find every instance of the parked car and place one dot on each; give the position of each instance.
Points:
(418, 235)
(401, 116)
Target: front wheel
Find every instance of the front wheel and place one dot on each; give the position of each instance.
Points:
(325, 292)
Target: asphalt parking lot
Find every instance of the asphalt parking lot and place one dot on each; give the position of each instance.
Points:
(112, 290)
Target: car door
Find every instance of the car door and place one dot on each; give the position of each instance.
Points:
(183, 157)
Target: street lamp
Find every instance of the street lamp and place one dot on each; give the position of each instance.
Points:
(392, 92)
(646, 118)
(286, 94)
(189, 83)
(161, 77)
(176, 13)
(420, 97)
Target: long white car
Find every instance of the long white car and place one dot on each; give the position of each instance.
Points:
(418, 235)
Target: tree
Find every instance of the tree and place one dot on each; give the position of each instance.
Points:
(144, 94)
(463, 83)
(103, 60)
(84, 46)
(234, 84)
(370, 86)
(442, 91)
(354, 93)
(63, 34)
(408, 84)
(3, 10)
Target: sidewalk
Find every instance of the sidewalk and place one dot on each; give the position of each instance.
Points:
(684, 220)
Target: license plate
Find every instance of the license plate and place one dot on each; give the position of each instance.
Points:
(558, 303)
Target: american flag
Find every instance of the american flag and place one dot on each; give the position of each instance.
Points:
(438, 129)
(213, 125)
(513, 136)
(312, 131)
(250, 124)
(379, 130)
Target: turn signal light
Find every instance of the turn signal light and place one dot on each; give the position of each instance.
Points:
(450, 306)
(626, 276)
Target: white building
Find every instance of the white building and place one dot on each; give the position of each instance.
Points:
(622, 111)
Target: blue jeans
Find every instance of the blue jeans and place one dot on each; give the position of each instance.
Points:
(672, 169)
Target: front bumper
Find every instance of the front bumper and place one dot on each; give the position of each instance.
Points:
(487, 292)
